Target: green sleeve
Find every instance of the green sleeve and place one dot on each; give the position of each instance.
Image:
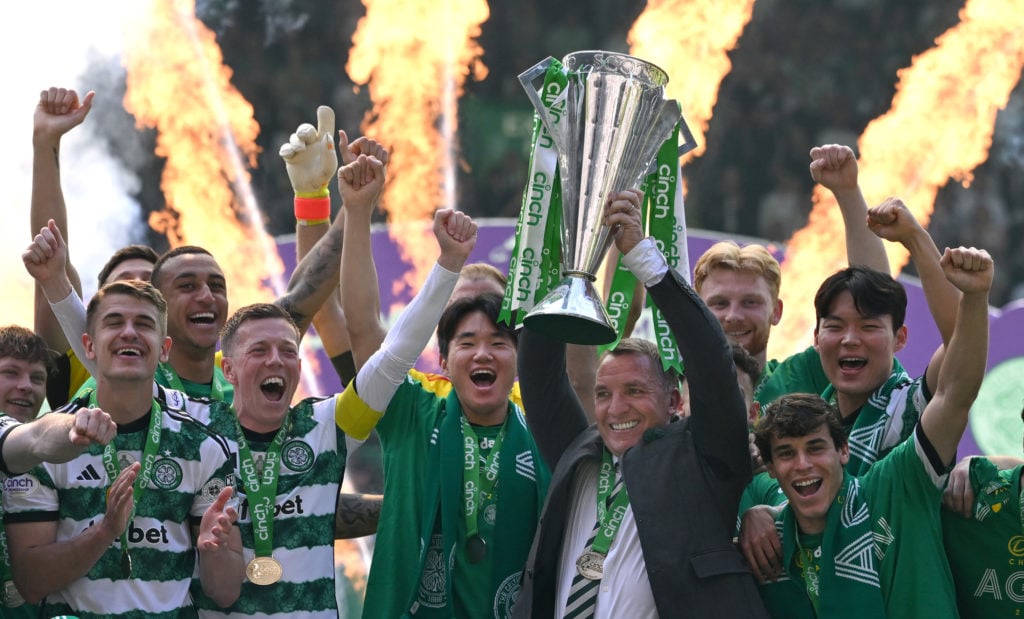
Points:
(799, 373)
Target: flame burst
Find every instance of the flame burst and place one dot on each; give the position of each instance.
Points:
(939, 127)
(690, 41)
(415, 58)
(178, 85)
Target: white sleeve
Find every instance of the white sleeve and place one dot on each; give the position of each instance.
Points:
(385, 370)
(70, 313)
(646, 262)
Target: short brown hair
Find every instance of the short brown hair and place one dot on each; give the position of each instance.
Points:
(130, 252)
(137, 289)
(256, 311)
(19, 343)
(183, 250)
(751, 258)
(669, 379)
(795, 415)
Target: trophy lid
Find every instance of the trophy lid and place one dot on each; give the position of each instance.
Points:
(619, 64)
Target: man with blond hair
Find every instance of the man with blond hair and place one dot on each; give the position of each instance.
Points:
(741, 284)
(741, 287)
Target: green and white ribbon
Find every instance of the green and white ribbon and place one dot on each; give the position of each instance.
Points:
(535, 265)
(665, 220)
(667, 225)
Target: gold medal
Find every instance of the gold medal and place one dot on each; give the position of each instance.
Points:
(264, 571)
(12, 597)
(590, 565)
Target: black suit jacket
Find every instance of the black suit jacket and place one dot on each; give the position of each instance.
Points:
(684, 479)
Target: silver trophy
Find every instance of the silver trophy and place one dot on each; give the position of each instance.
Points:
(615, 120)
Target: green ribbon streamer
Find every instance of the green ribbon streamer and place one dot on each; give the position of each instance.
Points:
(536, 256)
(668, 232)
(661, 216)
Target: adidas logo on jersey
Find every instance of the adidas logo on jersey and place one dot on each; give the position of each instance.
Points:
(88, 474)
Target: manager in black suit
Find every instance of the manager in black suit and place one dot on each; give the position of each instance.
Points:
(667, 548)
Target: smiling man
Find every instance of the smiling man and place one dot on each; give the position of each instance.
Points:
(860, 313)
(640, 514)
(289, 461)
(871, 546)
(56, 438)
(463, 480)
(116, 531)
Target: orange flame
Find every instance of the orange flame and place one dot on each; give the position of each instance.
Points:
(353, 556)
(939, 127)
(689, 40)
(415, 58)
(179, 85)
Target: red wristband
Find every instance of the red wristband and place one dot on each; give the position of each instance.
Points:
(313, 208)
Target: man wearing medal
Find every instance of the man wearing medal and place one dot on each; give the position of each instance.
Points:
(640, 515)
(463, 482)
(93, 537)
(24, 358)
(290, 459)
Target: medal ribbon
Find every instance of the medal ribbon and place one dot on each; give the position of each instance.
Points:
(261, 486)
(174, 382)
(808, 565)
(608, 516)
(474, 488)
(113, 469)
(535, 263)
(6, 578)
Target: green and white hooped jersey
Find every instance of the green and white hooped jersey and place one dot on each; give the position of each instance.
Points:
(192, 465)
(22, 611)
(311, 468)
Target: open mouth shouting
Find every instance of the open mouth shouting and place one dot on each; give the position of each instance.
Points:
(852, 363)
(807, 487)
(483, 377)
(273, 388)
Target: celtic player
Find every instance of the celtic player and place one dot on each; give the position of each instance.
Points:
(871, 546)
(115, 532)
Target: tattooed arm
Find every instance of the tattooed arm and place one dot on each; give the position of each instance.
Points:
(357, 515)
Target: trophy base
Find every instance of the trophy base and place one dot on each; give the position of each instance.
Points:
(573, 313)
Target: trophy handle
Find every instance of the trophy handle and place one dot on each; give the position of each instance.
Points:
(689, 143)
(527, 79)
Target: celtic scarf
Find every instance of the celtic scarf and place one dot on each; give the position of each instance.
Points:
(521, 488)
(848, 585)
(992, 490)
(877, 429)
